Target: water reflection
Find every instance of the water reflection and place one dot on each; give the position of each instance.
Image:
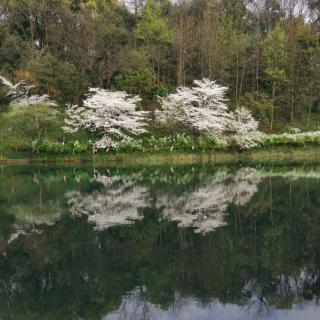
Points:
(188, 242)
(204, 208)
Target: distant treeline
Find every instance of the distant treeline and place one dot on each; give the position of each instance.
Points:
(267, 51)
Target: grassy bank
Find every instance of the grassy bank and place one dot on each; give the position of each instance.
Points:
(267, 155)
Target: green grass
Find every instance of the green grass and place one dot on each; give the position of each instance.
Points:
(268, 155)
(37, 136)
(158, 144)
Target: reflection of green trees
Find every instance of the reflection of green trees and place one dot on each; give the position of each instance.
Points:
(69, 269)
(37, 194)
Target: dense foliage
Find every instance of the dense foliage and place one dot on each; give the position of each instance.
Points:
(266, 52)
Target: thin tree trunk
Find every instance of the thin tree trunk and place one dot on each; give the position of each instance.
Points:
(309, 114)
(253, 79)
(180, 62)
(237, 79)
(292, 99)
(257, 71)
(241, 84)
(273, 101)
(1, 152)
(31, 25)
(179, 67)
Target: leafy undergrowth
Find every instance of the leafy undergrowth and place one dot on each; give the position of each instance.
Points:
(160, 145)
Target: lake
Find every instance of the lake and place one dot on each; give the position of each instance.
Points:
(196, 242)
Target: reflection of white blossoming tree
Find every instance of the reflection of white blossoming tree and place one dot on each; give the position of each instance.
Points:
(118, 203)
(205, 208)
(120, 199)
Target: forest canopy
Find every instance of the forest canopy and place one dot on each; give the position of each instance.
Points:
(266, 51)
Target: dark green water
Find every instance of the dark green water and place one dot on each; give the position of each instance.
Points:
(188, 242)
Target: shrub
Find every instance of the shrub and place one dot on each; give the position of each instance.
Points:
(295, 139)
(292, 130)
(49, 146)
(155, 143)
(30, 124)
(130, 145)
(183, 142)
(207, 142)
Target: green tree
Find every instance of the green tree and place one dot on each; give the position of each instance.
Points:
(61, 80)
(136, 75)
(275, 56)
(21, 127)
(153, 32)
(11, 48)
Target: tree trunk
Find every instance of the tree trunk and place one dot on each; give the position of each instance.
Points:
(309, 114)
(31, 25)
(241, 85)
(257, 71)
(237, 79)
(292, 100)
(181, 50)
(273, 101)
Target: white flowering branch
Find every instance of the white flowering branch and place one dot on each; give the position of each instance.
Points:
(203, 109)
(113, 116)
(245, 129)
(19, 94)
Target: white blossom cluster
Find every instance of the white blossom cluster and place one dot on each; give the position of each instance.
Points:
(111, 115)
(19, 94)
(245, 130)
(74, 118)
(203, 109)
(33, 100)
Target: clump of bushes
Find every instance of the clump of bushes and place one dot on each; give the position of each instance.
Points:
(295, 139)
(112, 121)
(21, 126)
(56, 147)
(130, 145)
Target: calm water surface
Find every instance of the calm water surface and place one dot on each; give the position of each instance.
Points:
(183, 242)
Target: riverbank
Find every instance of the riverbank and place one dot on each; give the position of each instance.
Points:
(288, 154)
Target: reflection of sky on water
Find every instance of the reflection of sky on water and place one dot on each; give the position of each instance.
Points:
(135, 308)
